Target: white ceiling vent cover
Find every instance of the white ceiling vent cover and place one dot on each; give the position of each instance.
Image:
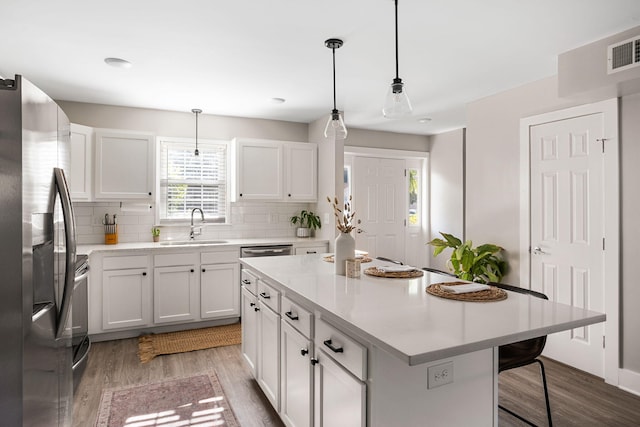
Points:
(623, 55)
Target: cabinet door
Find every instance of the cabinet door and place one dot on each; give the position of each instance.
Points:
(340, 398)
(219, 291)
(80, 178)
(250, 316)
(126, 298)
(175, 294)
(269, 354)
(296, 402)
(301, 170)
(259, 170)
(124, 166)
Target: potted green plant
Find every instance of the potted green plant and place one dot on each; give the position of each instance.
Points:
(155, 232)
(480, 264)
(306, 221)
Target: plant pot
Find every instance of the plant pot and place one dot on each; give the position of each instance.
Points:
(303, 232)
(156, 238)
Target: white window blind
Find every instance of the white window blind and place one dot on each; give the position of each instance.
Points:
(188, 181)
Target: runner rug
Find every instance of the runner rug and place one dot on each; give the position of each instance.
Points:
(150, 346)
(193, 401)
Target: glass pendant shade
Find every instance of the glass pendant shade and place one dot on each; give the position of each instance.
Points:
(335, 128)
(396, 103)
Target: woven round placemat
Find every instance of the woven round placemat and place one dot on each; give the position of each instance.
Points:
(489, 295)
(329, 258)
(373, 271)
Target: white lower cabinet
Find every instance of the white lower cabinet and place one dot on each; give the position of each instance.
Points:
(269, 353)
(340, 398)
(296, 371)
(250, 316)
(219, 290)
(175, 294)
(125, 298)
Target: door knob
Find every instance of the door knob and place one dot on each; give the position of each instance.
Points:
(359, 231)
(538, 251)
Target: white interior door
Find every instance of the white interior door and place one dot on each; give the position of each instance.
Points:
(379, 201)
(567, 230)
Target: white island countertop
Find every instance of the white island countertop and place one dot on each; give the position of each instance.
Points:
(399, 316)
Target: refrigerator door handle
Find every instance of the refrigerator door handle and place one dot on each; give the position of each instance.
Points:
(70, 259)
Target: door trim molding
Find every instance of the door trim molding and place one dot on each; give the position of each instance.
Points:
(386, 153)
(611, 214)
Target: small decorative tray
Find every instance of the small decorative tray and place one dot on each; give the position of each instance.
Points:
(488, 295)
(329, 258)
(373, 271)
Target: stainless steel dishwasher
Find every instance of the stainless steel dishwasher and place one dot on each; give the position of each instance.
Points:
(273, 250)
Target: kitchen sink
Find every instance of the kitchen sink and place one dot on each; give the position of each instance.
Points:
(192, 242)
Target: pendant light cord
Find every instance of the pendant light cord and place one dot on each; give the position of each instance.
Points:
(333, 49)
(396, 3)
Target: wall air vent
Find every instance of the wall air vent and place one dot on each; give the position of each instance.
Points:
(623, 55)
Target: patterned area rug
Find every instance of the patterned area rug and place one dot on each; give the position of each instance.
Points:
(193, 401)
(150, 346)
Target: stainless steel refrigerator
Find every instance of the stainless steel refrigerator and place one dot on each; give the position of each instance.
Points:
(37, 259)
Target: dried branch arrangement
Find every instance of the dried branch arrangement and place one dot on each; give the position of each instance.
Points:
(344, 216)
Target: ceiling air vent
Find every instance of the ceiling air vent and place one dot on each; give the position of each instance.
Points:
(623, 55)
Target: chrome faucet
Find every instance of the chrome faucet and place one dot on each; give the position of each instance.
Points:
(193, 233)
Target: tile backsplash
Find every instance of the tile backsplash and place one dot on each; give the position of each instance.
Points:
(248, 220)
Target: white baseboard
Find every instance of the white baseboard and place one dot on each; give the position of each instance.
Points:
(629, 381)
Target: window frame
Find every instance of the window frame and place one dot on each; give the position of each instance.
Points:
(191, 141)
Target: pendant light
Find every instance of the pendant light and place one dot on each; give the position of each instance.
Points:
(335, 125)
(396, 104)
(196, 111)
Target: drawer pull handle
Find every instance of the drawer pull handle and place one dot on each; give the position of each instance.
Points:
(291, 316)
(256, 309)
(264, 295)
(204, 270)
(252, 304)
(332, 348)
(246, 282)
(304, 351)
(312, 252)
(313, 361)
(192, 270)
(144, 273)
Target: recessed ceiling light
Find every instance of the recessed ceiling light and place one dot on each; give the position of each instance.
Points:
(278, 100)
(424, 120)
(118, 62)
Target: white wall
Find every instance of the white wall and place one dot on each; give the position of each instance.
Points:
(492, 187)
(178, 124)
(492, 199)
(446, 190)
(390, 140)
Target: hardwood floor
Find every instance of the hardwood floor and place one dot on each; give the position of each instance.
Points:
(577, 399)
(115, 364)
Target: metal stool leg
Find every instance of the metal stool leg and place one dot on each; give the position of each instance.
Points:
(546, 391)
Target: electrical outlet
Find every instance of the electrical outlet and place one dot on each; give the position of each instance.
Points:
(439, 375)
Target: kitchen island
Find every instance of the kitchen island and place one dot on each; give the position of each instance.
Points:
(410, 358)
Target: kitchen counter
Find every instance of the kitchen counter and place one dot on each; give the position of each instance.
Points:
(398, 316)
(145, 246)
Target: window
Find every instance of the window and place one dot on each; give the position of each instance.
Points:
(414, 197)
(188, 181)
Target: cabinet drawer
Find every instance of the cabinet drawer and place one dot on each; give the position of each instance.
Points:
(124, 262)
(296, 316)
(311, 250)
(342, 348)
(171, 259)
(269, 296)
(249, 281)
(220, 257)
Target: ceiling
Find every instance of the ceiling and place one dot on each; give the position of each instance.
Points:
(231, 58)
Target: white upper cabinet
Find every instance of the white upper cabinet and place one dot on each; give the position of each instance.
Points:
(274, 170)
(124, 165)
(81, 176)
(301, 172)
(259, 170)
